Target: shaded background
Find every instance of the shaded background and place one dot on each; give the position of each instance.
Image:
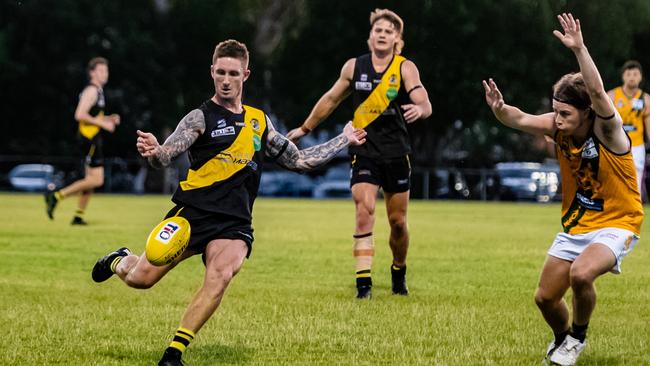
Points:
(160, 53)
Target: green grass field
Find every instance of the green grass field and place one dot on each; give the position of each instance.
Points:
(473, 268)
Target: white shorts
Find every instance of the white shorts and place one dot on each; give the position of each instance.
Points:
(619, 241)
(638, 154)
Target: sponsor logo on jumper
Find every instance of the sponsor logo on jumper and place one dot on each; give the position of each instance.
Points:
(364, 77)
(589, 203)
(240, 124)
(239, 159)
(221, 123)
(364, 109)
(402, 181)
(629, 128)
(230, 130)
(637, 104)
(363, 85)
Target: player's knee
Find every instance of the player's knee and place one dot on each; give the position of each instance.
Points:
(543, 299)
(141, 283)
(580, 277)
(398, 224)
(97, 181)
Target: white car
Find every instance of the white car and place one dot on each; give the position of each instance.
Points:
(32, 177)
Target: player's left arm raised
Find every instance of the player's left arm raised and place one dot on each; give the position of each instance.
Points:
(609, 125)
(287, 155)
(421, 106)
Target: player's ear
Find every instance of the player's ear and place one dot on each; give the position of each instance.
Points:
(247, 73)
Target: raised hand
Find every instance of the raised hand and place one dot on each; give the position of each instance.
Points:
(493, 96)
(572, 37)
(146, 144)
(355, 136)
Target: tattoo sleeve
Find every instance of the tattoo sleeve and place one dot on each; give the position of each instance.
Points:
(288, 156)
(187, 131)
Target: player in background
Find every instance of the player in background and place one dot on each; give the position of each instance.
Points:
(633, 104)
(387, 94)
(91, 118)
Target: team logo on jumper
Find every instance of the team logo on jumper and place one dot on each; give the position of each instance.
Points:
(363, 85)
(221, 123)
(230, 130)
(364, 77)
(589, 150)
(167, 232)
(392, 79)
(255, 124)
(637, 104)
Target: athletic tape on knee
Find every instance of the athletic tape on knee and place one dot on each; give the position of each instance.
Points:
(364, 250)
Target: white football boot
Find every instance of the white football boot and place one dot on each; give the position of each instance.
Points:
(567, 353)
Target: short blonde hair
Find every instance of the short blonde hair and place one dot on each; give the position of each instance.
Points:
(231, 48)
(394, 19)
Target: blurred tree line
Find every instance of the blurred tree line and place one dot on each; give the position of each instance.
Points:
(160, 52)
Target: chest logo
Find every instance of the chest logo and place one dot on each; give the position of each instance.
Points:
(230, 130)
(363, 85)
(221, 123)
(589, 150)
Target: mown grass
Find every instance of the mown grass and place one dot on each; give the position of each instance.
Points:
(473, 268)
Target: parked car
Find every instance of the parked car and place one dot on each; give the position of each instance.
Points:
(285, 184)
(335, 183)
(528, 181)
(34, 177)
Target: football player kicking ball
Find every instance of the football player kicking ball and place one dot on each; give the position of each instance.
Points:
(601, 206)
(227, 142)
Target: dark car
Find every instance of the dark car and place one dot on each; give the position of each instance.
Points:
(528, 181)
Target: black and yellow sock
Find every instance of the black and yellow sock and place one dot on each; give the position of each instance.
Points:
(363, 278)
(182, 339)
(58, 195)
(115, 262)
(79, 213)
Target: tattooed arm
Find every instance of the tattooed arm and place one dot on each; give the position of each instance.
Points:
(288, 156)
(187, 131)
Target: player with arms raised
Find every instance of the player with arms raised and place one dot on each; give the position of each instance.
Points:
(601, 206)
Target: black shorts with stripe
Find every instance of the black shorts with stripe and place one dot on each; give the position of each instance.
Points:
(393, 174)
(91, 151)
(206, 226)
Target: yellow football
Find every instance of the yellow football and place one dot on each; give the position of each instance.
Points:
(167, 241)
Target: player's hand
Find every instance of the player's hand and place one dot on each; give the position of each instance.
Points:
(572, 37)
(356, 136)
(108, 125)
(115, 118)
(412, 112)
(295, 135)
(493, 96)
(146, 144)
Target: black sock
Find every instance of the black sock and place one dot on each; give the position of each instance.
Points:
(579, 332)
(559, 337)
